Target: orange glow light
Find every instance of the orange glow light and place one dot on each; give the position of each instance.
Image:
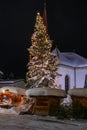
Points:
(3, 91)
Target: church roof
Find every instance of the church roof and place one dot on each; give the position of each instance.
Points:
(70, 58)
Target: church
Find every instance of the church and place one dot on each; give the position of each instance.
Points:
(72, 67)
(73, 70)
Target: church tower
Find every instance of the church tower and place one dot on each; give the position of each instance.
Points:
(45, 16)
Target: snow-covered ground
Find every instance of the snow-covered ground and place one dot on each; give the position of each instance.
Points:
(33, 122)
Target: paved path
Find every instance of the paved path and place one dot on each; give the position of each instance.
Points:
(33, 122)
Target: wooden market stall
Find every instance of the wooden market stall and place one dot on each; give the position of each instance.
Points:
(11, 95)
(79, 95)
(45, 99)
(79, 102)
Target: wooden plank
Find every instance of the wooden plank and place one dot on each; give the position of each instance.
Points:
(43, 104)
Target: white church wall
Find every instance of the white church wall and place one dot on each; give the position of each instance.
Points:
(80, 77)
(65, 70)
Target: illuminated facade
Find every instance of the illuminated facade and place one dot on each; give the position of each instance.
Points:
(73, 69)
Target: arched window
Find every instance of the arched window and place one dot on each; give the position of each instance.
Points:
(66, 83)
(85, 84)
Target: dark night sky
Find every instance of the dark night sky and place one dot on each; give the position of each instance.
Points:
(67, 25)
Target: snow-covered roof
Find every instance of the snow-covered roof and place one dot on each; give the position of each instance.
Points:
(46, 92)
(81, 92)
(1, 72)
(10, 81)
(13, 89)
(70, 58)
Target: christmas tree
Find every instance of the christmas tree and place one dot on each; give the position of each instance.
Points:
(42, 65)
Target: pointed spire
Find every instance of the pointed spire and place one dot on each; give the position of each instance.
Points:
(45, 16)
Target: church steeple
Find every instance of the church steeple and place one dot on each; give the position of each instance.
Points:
(45, 16)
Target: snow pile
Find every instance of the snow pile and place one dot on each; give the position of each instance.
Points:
(66, 101)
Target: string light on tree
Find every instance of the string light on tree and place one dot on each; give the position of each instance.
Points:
(42, 66)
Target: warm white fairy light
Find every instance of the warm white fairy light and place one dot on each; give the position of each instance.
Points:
(41, 69)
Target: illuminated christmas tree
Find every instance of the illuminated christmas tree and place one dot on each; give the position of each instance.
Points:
(42, 65)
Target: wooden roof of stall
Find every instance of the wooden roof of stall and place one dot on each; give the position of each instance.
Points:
(82, 92)
(46, 92)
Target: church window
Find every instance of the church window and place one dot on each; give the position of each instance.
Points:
(66, 83)
(85, 85)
